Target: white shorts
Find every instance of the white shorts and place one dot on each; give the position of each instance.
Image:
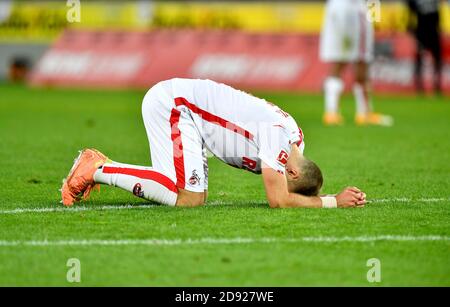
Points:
(347, 34)
(176, 147)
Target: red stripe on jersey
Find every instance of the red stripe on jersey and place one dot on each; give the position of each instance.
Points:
(205, 115)
(178, 158)
(144, 174)
(300, 133)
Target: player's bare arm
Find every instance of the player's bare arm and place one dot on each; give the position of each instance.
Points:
(279, 197)
(350, 197)
(280, 188)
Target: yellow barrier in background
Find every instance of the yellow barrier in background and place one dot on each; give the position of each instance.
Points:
(44, 20)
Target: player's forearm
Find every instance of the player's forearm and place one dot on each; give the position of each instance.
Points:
(293, 200)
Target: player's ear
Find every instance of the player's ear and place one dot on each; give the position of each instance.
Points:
(293, 173)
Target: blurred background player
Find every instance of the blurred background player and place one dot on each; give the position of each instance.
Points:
(347, 38)
(424, 24)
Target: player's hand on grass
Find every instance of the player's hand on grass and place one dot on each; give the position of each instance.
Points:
(351, 197)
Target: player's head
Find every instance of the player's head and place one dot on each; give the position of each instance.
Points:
(303, 176)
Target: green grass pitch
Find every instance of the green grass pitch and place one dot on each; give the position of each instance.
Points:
(404, 169)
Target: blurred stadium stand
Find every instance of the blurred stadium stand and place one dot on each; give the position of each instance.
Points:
(276, 34)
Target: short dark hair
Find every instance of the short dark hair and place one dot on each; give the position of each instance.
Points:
(310, 180)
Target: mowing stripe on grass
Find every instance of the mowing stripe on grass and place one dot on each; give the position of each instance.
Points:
(226, 241)
(126, 207)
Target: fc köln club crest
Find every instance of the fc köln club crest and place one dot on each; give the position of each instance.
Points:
(195, 179)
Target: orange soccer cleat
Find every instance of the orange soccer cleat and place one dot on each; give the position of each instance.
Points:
(374, 119)
(332, 119)
(80, 181)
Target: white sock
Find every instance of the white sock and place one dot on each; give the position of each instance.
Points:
(120, 164)
(140, 180)
(362, 99)
(333, 88)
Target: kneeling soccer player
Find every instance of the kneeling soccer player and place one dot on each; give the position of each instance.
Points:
(183, 119)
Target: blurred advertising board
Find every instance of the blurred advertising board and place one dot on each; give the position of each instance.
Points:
(43, 21)
(256, 61)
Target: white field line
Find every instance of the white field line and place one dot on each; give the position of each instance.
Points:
(408, 200)
(226, 241)
(61, 208)
(127, 207)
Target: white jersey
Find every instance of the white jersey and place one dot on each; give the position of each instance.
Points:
(238, 128)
